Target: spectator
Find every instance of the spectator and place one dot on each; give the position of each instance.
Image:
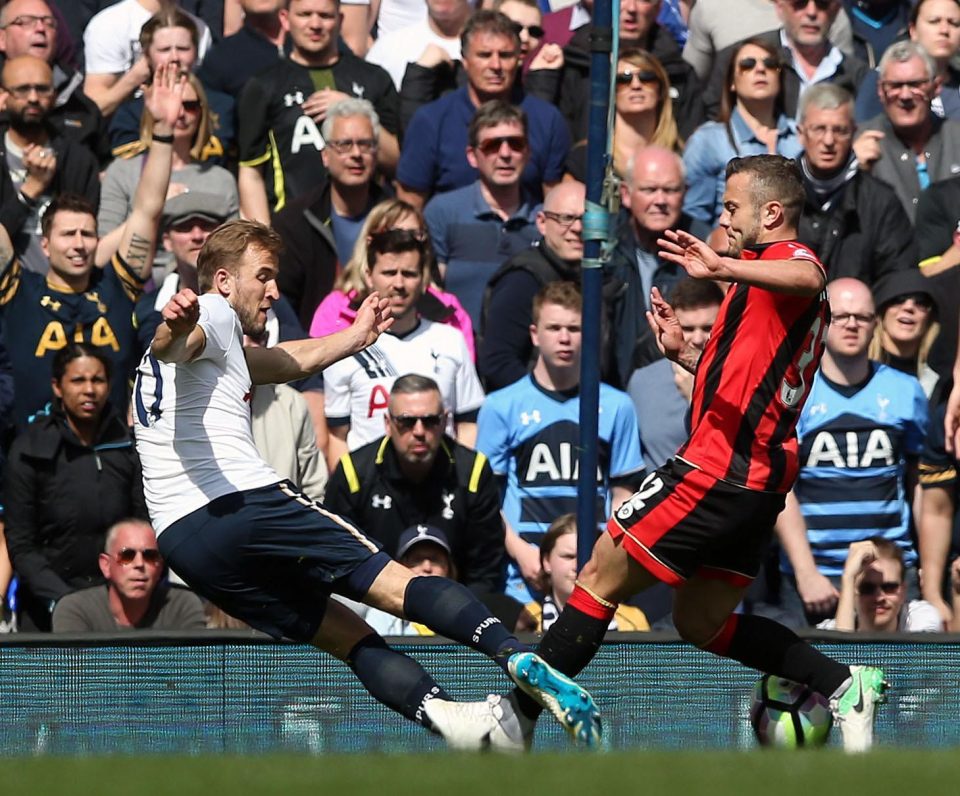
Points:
(806, 53)
(644, 113)
(280, 109)
(558, 562)
(661, 390)
(506, 352)
(475, 228)
(192, 134)
(873, 593)
(908, 146)
(569, 85)
(530, 432)
(907, 309)
(38, 33)
(40, 161)
(433, 158)
(935, 26)
(527, 18)
(852, 220)
(70, 476)
(652, 196)
(338, 309)
(357, 389)
(861, 432)
(417, 475)
(751, 121)
(134, 596)
(171, 36)
(252, 49)
(320, 229)
(115, 65)
(436, 36)
(77, 300)
(876, 24)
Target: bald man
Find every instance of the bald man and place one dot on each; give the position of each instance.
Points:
(40, 161)
(505, 351)
(861, 433)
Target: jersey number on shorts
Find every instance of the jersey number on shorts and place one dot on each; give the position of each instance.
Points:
(650, 486)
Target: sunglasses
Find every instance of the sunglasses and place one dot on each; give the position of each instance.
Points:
(799, 5)
(192, 106)
(768, 61)
(535, 31)
(869, 588)
(626, 77)
(409, 422)
(922, 300)
(492, 146)
(128, 555)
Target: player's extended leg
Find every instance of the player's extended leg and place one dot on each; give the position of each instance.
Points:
(703, 612)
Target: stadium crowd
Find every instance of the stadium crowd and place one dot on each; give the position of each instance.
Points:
(434, 151)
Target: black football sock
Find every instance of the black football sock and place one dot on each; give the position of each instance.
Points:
(452, 610)
(394, 679)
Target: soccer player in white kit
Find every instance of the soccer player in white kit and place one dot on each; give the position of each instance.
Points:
(262, 551)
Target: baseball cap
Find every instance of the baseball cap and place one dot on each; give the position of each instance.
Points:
(421, 533)
(195, 204)
(902, 283)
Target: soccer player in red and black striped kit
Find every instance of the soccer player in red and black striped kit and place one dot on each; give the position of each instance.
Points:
(702, 522)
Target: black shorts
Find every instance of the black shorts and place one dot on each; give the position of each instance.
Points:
(683, 522)
(271, 557)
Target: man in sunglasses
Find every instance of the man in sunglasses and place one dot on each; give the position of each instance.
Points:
(417, 474)
(861, 433)
(136, 596)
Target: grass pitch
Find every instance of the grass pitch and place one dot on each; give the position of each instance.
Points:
(891, 771)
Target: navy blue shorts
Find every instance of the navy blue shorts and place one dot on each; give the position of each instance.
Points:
(271, 557)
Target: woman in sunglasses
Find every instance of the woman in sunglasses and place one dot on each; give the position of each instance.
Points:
(908, 326)
(751, 122)
(392, 225)
(70, 476)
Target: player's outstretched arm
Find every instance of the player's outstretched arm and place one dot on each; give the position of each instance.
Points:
(800, 277)
(296, 359)
(668, 334)
(178, 338)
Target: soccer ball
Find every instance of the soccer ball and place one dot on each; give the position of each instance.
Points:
(788, 715)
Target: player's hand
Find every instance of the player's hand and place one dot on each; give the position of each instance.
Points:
(951, 420)
(163, 98)
(433, 55)
(374, 317)
(41, 165)
(819, 595)
(690, 253)
(550, 56)
(665, 326)
(316, 104)
(181, 312)
(867, 148)
(528, 561)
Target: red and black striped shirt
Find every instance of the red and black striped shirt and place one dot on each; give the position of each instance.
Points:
(753, 378)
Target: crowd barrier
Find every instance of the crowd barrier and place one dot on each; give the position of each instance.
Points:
(236, 693)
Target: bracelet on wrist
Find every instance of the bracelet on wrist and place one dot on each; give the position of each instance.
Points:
(162, 139)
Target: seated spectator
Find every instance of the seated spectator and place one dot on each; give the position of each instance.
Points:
(530, 432)
(70, 476)
(558, 561)
(475, 228)
(908, 146)
(433, 159)
(861, 432)
(356, 389)
(338, 309)
(751, 121)
(192, 134)
(320, 229)
(873, 593)
(908, 326)
(661, 391)
(853, 221)
(115, 65)
(935, 26)
(644, 113)
(805, 51)
(40, 161)
(39, 33)
(171, 37)
(135, 596)
(418, 474)
(506, 352)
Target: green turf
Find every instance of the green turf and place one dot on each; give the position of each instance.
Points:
(812, 773)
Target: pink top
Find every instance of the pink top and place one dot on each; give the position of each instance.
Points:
(336, 312)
